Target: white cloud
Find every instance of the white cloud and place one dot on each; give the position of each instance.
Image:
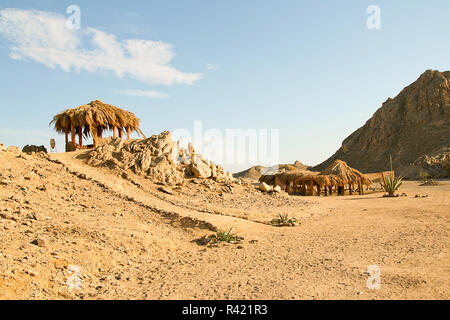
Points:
(144, 93)
(45, 38)
(213, 67)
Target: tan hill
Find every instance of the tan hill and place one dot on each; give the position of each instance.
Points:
(256, 171)
(129, 237)
(414, 128)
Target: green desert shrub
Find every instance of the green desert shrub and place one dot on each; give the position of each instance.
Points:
(283, 220)
(391, 184)
(224, 236)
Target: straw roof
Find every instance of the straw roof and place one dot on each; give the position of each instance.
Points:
(96, 114)
(338, 174)
(287, 177)
(342, 172)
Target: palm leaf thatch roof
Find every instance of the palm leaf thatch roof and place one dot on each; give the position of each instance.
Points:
(338, 173)
(96, 114)
(288, 177)
(341, 171)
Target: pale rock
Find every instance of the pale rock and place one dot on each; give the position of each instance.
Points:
(213, 170)
(277, 189)
(265, 187)
(201, 170)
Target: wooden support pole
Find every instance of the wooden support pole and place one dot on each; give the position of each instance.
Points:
(128, 134)
(120, 132)
(350, 189)
(67, 137)
(72, 133)
(114, 132)
(94, 135)
(310, 191)
(80, 136)
(326, 191)
(318, 190)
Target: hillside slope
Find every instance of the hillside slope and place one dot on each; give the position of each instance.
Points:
(414, 124)
(256, 171)
(129, 240)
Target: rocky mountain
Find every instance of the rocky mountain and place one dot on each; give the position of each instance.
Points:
(413, 128)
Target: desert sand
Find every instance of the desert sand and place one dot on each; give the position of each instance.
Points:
(129, 240)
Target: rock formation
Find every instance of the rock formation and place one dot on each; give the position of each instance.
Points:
(158, 158)
(412, 128)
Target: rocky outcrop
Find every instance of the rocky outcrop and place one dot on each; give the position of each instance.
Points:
(257, 171)
(435, 165)
(415, 124)
(158, 158)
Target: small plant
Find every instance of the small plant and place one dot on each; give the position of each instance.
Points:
(391, 185)
(223, 236)
(424, 175)
(283, 220)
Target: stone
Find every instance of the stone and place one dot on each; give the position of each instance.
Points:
(277, 189)
(201, 170)
(213, 170)
(265, 187)
(39, 242)
(166, 190)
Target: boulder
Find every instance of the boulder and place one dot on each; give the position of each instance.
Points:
(201, 170)
(265, 187)
(277, 189)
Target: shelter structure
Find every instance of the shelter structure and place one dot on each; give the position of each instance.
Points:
(337, 176)
(92, 120)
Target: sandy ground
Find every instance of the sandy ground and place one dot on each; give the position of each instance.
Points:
(128, 240)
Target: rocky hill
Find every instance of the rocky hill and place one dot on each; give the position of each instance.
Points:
(256, 171)
(413, 128)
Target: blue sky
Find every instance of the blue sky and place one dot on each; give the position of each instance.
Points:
(311, 69)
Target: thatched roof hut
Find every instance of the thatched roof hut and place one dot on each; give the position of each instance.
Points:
(338, 175)
(93, 119)
(345, 173)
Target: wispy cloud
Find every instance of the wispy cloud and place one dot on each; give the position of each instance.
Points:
(144, 93)
(213, 67)
(44, 37)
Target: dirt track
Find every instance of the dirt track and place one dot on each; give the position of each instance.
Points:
(131, 241)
